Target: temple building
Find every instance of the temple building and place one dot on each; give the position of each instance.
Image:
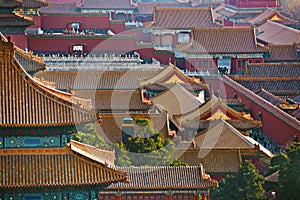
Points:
(118, 9)
(213, 49)
(125, 93)
(36, 124)
(168, 30)
(221, 148)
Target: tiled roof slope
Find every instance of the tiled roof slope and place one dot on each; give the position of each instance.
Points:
(222, 40)
(12, 20)
(269, 97)
(276, 85)
(278, 34)
(35, 3)
(282, 53)
(10, 3)
(107, 4)
(108, 80)
(176, 100)
(147, 8)
(115, 100)
(268, 14)
(183, 18)
(59, 8)
(214, 160)
(27, 102)
(273, 69)
(55, 167)
(167, 177)
(222, 136)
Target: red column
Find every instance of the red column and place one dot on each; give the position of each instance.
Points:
(132, 17)
(126, 17)
(115, 16)
(202, 196)
(160, 40)
(196, 196)
(208, 196)
(169, 196)
(118, 196)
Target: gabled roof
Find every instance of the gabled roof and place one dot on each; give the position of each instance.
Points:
(212, 110)
(170, 74)
(165, 177)
(27, 102)
(115, 100)
(273, 15)
(182, 18)
(282, 53)
(280, 86)
(277, 34)
(222, 40)
(107, 4)
(176, 100)
(273, 69)
(270, 97)
(109, 80)
(56, 167)
(222, 136)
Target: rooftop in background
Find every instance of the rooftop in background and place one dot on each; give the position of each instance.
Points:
(273, 15)
(277, 34)
(222, 40)
(182, 18)
(273, 70)
(107, 4)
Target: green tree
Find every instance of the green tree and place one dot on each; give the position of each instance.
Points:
(148, 147)
(289, 174)
(246, 185)
(88, 135)
(178, 163)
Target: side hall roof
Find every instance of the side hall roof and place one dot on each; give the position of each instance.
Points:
(28, 168)
(26, 102)
(166, 177)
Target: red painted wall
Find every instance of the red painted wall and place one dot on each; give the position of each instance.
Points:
(87, 22)
(253, 3)
(20, 40)
(273, 126)
(162, 57)
(37, 20)
(117, 28)
(94, 45)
